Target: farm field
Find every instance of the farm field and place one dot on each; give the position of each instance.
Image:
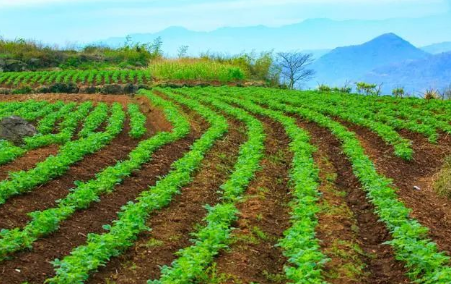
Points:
(89, 77)
(223, 185)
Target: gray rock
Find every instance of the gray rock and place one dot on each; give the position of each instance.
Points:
(15, 128)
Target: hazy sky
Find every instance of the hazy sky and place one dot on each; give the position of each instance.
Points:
(61, 21)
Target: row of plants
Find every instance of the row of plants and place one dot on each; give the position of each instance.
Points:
(132, 218)
(91, 77)
(47, 124)
(424, 261)
(67, 128)
(403, 109)
(192, 261)
(85, 193)
(402, 147)
(24, 181)
(30, 111)
(300, 245)
(137, 121)
(46, 221)
(22, 108)
(396, 118)
(94, 120)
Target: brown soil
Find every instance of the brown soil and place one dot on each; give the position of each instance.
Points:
(35, 267)
(27, 161)
(382, 266)
(264, 216)
(15, 210)
(337, 227)
(123, 99)
(430, 209)
(172, 225)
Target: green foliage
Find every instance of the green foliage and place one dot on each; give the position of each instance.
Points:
(196, 70)
(215, 235)
(300, 244)
(398, 92)
(66, 81)
(132, 218)
(94, 120)
(137, 121)
(368, 89)
(425, 263)
(21, 55)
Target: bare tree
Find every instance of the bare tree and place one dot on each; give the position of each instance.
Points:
(294, 67)
(182, 51)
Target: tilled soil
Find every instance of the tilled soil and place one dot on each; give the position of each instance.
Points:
(253, 256)
(44, 196)
(430, 209)
(380, 261)
(27, 161)
(171, 227)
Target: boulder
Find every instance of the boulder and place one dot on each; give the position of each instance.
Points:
(15, 128)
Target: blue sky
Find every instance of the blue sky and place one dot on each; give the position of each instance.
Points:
(78, 21)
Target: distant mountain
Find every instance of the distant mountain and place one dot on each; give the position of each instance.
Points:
(312, 34)
(353, 62)
(415, 76)
(438, 48)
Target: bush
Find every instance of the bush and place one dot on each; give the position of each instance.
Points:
(22, 90)
(398, 92)
(431, 94)
(69, 88)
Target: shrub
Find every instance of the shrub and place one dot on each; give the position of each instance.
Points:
(431, 94)
(398, 92)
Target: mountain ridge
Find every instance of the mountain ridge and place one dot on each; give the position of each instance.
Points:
(352, 62)
(310, 34)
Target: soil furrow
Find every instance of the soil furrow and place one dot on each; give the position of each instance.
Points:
(35, 267)
(430, 209)
(171, 226)
(381, 265)
(264, 216)
(27, 161)
(44, 196)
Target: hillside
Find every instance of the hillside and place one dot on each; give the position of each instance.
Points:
(352, 62)
(310, 34)
(415, 76)
(438, 48)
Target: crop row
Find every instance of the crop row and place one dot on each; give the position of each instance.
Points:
(137, 121)
(47, 221)
(89, 77)
(85, 193)
(94, 120)
(421, 255)
(30, 111)
(123, 232)
(300, 245)
(215, 235)
(73, 151)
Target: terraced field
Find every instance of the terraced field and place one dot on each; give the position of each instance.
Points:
(225, 185)
(88, 77)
